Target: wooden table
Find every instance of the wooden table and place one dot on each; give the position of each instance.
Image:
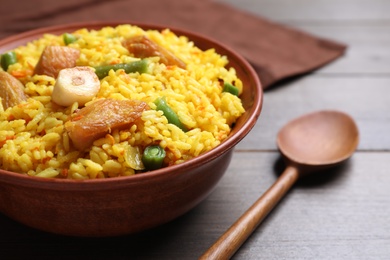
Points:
(345, 215)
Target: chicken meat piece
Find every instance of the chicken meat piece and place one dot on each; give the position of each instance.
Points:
(11, 90)
(142, 47)
(101, 117)
(55, 58)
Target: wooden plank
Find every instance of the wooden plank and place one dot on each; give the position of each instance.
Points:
(367, 52)
(322, 10)
(366, 99)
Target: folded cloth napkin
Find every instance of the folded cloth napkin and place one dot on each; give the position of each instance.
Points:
(274, 50)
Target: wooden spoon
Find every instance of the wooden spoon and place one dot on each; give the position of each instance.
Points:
(309, 143)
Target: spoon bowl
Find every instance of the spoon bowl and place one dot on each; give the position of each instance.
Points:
(309, 143)
(318, 140)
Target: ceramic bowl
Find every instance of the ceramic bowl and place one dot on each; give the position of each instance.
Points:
(125, 205)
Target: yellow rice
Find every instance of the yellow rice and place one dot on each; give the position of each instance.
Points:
(33, 139)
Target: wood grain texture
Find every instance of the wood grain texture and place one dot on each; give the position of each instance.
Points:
(343, 216)
(326, 11)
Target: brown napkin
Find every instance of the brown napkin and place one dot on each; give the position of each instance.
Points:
(275, 51)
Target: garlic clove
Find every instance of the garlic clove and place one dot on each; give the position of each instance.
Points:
(79, 84)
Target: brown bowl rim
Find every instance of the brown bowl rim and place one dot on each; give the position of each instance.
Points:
(225, 146)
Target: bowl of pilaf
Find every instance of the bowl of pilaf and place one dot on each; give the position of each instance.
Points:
(113, 128)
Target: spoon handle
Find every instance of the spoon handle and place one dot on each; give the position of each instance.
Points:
(234, 237)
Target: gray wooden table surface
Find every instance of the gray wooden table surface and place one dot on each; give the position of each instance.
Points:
(343, 216)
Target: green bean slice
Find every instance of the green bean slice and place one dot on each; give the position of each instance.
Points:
(140, 66)
(227, 87)
(8, 59)
(171, 115)
(69, 38)
(153, 157)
